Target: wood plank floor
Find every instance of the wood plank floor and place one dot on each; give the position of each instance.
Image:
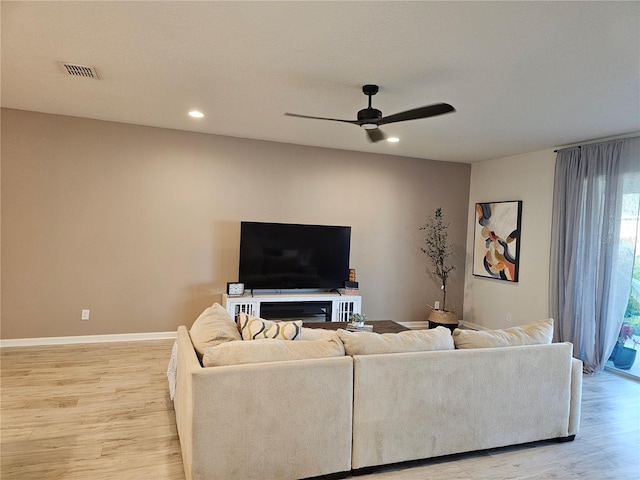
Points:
(102, 411)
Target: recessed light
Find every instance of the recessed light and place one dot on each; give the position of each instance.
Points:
(393, 139)
(196, 114)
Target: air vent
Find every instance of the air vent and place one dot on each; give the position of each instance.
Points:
(80, 70)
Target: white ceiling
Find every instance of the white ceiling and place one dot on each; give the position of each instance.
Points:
(523, 76)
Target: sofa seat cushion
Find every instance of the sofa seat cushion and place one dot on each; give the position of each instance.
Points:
(213, 327)
(270, 350)
(254, 328)
(370, 343)
(534, 333)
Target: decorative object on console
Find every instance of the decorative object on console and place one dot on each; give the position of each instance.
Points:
(354, 328)
(438, 250)
(496, 250)
(357, 322)
(235, 288)
(350, 286)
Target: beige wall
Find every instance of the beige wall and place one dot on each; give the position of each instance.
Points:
(141, 225)
(529, 178)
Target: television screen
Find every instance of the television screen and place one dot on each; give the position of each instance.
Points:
(290, 256)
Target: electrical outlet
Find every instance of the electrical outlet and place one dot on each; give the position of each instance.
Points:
(436, 305)
(85, 315)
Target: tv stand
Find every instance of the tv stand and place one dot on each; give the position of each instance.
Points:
(342, 306)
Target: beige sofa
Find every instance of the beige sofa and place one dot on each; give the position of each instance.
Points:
(277, 420)
(409, 406)
(304, 418)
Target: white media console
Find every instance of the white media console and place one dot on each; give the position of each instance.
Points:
(333, 306)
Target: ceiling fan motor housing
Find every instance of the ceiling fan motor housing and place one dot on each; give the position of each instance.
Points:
(368, 117)
(369, 114)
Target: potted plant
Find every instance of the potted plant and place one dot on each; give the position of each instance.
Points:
(624, 357)
(358, 319)
(438, 250)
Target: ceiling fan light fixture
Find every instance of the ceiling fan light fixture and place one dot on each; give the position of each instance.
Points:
(369, 126)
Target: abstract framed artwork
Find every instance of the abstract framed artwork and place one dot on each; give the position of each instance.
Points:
(496, 248)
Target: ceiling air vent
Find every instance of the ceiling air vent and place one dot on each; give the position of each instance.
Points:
(80, 70)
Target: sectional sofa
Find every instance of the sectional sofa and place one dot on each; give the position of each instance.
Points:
(365, 399)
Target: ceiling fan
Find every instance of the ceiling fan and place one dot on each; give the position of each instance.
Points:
(371, 118)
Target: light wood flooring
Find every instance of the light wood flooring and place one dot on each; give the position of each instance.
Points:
(102, 411)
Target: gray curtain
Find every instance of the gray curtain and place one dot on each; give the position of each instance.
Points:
(596, 193)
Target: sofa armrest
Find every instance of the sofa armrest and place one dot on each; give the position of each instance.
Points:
(576, 397)
(187, 364)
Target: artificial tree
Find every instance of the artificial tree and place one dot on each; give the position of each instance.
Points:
(438, 250)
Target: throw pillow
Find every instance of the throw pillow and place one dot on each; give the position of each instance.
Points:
(368, 343)
(270, 350)
(534, 333)
(253, 328)
(212, 327)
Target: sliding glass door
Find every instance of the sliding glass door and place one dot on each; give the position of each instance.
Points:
(624, 357)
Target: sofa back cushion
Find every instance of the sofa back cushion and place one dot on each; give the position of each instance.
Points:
(318, 334)
(270, 350)
(254, 328)
(369, 343)
(212, 327)
(535, 333)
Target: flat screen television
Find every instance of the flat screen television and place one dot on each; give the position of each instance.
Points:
(276, 256)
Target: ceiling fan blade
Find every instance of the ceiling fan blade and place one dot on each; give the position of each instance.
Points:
(355, 122)
(375, 135)
(416, 113)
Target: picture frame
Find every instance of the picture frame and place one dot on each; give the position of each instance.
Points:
(496, 244)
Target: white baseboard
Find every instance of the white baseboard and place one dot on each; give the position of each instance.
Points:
(117, 337)
(472, 326)
(418, 325)
(423, 325)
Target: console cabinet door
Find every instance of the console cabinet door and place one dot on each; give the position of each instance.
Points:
(235, 306)
(343, 308)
